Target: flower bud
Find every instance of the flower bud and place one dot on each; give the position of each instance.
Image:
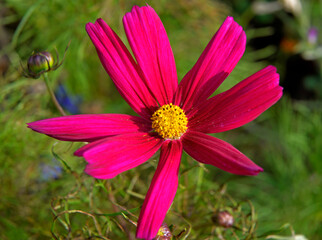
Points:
(40, 62)
(224, 219)
(164, 233)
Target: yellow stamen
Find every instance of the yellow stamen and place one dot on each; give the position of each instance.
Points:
(169, 121)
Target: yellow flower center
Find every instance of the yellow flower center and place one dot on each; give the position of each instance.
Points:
(169, 121)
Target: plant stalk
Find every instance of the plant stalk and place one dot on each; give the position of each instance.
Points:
(52, 95)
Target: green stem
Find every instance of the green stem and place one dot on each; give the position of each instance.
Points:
(52, 95)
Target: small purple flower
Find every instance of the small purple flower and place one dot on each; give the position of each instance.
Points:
(312, 35)
(67, 101)
(51, 171)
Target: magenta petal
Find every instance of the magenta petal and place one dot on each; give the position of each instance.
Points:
(122, 68)
(214, 65)
(210, 150)
(239, 105)
(151, 47)
(111, 156)
(161, 192)
(90, 127)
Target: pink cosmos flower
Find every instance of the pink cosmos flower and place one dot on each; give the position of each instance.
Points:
(172, 116)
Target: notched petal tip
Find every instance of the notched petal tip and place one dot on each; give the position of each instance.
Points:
(36, 126)
(79, 152)
(151, 48)
(33, 126)
(239, 105)
(229, 19)
(256, 171)
(272, 68)
(29, 125)
(90, 24)
(100, 22)
(223, 51)
(210, 150)
(89, 27)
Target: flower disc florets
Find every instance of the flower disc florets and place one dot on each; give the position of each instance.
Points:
(169, 121)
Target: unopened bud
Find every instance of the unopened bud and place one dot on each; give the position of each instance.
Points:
(40, 62)
(164, 233)
(224, 219)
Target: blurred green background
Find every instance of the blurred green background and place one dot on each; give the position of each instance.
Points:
(44, 193)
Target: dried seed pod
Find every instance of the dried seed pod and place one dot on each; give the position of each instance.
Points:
(164, 233)
(224, 219)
